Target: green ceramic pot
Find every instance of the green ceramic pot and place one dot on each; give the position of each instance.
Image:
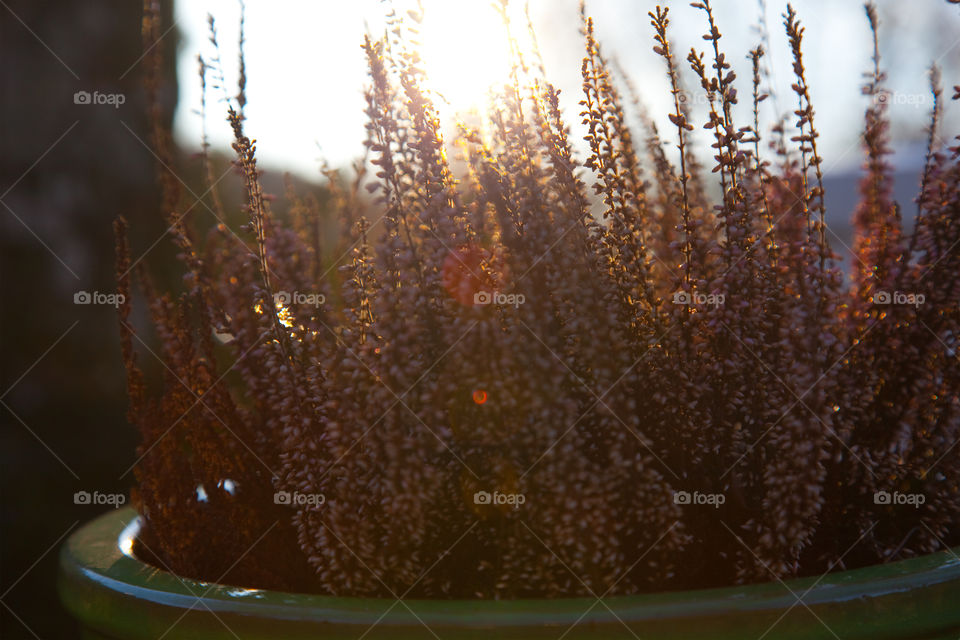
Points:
(116, 596)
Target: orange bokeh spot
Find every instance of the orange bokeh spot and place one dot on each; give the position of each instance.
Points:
(462, 274)
(479, 396)
(471, 273)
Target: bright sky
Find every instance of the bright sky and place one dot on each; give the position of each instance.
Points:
(306, 70)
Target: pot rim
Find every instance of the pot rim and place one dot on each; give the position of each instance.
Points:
(97, 566)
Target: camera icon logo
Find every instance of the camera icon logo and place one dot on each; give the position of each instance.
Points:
(282, 497)
(82, 497)
(81, 97)
(681, 497)
(82, 297)
(482, 297)
(482, 497)
(681, 297)
(282, 297)
(882, 497)
(881, 297)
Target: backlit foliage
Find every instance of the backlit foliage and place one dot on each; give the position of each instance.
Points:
(481, 330)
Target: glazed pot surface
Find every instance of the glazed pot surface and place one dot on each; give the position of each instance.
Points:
(116, 596)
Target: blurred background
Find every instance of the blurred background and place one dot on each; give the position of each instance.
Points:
(73, 156)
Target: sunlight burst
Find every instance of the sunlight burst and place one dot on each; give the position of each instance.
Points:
(466, 49)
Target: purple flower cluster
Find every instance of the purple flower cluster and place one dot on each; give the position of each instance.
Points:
(478, 387)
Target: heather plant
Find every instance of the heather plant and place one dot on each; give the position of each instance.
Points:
(477, 387)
